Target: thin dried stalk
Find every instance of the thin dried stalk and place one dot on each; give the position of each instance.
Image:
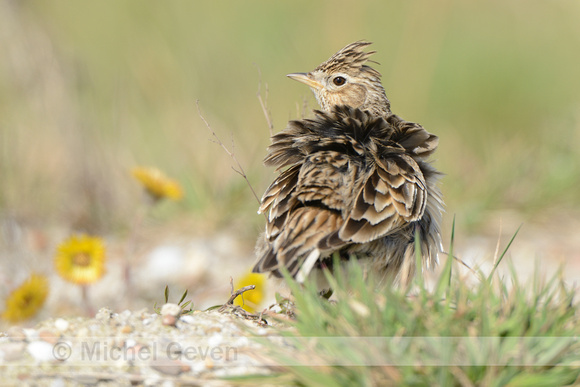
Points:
(264, 103)
(240, 169)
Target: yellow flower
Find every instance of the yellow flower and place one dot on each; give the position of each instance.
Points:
(81, 259)
(25, 301)
(157, 184)
(251, 299)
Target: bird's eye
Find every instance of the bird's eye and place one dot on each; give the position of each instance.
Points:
(339, 81)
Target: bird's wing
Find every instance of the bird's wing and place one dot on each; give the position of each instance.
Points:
(351, 178)
(305, 203)
(391, 194)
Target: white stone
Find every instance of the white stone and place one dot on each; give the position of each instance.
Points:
(198, 367)
(188, 319)
(61, 324)
(214, 340)
(170, 309)
(31, 334)
(41, 351)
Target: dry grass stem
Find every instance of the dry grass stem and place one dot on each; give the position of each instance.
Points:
(496, 254)
(465, 265)
(240, 169)
(239, 292)
(264, 102)
(229, 306)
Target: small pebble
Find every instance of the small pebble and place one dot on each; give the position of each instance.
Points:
(61, 324)
(31, 334)
(199, 367)
(169, 320)
(11, 351)
(104, 314)
(126, 329)
(124, 315)
(41, 351)
(171, 310)
(16, 333)
(188, 319)
(169, 314)
(152, 380)
(48, 336)
(214, 340)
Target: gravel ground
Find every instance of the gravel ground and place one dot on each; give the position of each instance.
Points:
(140, 347)
(135, 348)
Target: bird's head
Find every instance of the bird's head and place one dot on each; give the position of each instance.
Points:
(345, 79)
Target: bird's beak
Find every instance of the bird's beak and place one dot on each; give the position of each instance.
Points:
(306, 78)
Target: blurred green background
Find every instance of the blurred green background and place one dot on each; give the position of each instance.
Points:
(89, 89)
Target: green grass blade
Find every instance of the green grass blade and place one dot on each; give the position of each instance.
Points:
(444, 281)
(503, 254)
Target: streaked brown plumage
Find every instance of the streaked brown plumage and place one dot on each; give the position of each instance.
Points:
(356, 180)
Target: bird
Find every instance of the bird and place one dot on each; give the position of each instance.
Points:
(354, 181)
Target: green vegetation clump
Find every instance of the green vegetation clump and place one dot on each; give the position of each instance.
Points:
(494, 333)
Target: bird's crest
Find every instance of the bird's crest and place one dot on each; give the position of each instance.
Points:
(348, 58)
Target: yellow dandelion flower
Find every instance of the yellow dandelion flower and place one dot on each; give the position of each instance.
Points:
(251, 299)
(157, 184)
(25, 301)
(81, 259)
